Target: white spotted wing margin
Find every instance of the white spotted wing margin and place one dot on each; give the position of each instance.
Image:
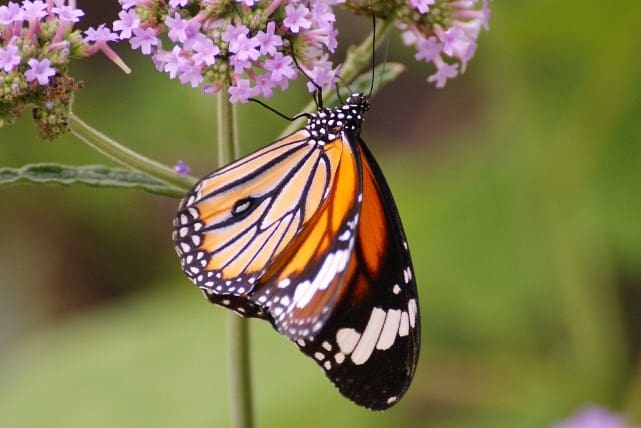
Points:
(369, 347)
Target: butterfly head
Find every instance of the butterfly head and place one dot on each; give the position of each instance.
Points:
(329, 123)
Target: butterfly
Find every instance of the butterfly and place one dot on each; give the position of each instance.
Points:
(304, 233)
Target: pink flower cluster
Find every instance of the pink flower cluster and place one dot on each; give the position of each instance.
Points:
(248, 46)
(444, 32)
(451, 43)
(37, 41)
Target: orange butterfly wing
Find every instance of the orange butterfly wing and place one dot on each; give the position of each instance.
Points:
(235, 222)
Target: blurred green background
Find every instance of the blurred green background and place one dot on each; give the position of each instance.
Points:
(520, 189)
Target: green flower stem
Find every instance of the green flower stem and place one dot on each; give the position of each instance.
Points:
(126, 156)
(358, 57)
(238, 353)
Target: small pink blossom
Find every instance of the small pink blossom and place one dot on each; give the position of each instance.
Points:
(144, 39)
(180, 168)
(241, 92)
(41, 71)
(444, 71)
(297, 18)
(594, 417)
(9, 57)
(127, 22)
(68, 13)
(423, 6)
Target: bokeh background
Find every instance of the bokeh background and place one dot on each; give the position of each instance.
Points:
(520, 189)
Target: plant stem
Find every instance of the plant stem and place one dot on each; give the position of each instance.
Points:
(238, 354)
(126, 156)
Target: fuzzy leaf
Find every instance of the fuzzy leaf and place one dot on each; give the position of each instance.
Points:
(90, 175)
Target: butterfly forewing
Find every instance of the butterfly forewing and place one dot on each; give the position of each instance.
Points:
(236, 221)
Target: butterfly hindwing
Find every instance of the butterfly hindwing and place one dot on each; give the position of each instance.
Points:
(369, 346)
(300, 291)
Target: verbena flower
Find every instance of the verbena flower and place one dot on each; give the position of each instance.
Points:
(444, 32)
(37, 41)
(593, 417)
(181, 168)
(245, 45)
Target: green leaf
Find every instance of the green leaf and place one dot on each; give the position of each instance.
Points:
(89, 175)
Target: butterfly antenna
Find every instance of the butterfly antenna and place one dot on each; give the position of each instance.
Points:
(273, 110)
(371, 84)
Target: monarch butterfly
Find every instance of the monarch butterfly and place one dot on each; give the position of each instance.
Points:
(305, 234)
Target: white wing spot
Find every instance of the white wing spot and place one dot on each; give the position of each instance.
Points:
(284, 283)
(396, 289)
(406, 275)
(404, 328)
(390, 329)
(345, 235)
(303, 294)
(339, 357)
(347, 338)
(412, 309)
(327, 346)
(368, 340)
(327, 365)
(319, 356)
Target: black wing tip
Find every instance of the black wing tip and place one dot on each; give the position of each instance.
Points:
(372, 397)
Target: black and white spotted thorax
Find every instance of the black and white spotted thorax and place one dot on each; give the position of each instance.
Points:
(329, 123)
